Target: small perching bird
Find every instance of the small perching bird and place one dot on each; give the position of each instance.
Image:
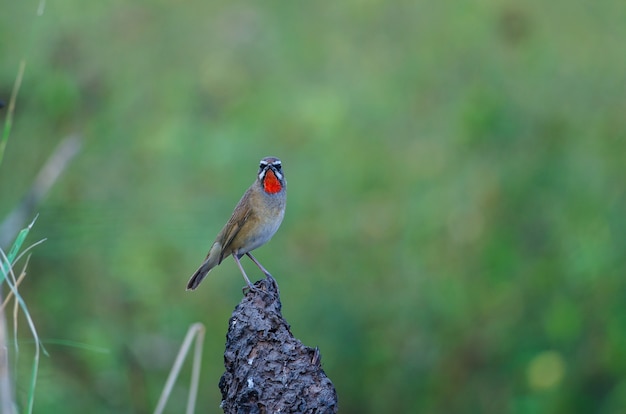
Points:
(254, 221)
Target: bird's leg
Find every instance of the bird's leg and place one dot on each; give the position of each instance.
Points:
(256, 262)
(264, 270)
(243, 272)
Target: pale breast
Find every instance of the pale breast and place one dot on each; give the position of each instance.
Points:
(262, 223)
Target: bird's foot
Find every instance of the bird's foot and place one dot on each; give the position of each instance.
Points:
(249, 288)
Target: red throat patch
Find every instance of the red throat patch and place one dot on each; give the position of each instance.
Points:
(271, 184)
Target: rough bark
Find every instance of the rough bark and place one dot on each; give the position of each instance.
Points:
(267, 369)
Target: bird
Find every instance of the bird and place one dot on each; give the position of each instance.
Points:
(254, 221)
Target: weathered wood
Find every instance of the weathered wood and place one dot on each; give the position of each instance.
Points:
(267, 369)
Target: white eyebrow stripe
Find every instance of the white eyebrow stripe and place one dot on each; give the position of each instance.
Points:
(274, 161)
(278, 173)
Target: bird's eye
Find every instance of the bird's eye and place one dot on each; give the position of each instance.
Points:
(262, 166)
(278, 166)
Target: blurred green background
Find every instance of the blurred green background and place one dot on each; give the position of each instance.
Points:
(456, 223)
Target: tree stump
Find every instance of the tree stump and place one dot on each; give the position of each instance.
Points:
(268, 370)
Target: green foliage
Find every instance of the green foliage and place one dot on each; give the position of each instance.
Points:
(455, 231)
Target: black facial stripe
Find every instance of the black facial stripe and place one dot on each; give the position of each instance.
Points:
(270, 163)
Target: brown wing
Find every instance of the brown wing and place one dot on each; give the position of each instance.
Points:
(231, 229)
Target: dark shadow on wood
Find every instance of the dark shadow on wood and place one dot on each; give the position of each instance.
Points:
(267, 369)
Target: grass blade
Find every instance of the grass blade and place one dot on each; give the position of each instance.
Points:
(195, 331)
(9, 119)
(17, 245)
(8, 261)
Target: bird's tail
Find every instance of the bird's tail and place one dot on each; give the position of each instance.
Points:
(212, 260)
